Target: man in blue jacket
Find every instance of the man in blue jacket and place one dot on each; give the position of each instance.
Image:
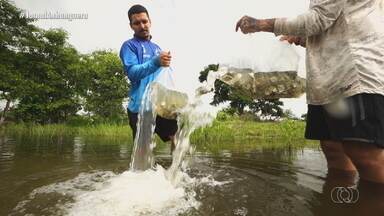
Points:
(142, 60)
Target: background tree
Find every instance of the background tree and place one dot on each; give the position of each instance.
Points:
(48, 80)
(48, 66)
(105, 85)
(269, 109)
(16, 32)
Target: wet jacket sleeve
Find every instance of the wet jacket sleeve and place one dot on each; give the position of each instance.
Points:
(321, 16)
(132, 68)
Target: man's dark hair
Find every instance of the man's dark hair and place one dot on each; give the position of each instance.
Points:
(136, 9)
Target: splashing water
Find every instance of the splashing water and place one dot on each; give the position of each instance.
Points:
(190, 118)
(132, 193)
(106, 193)
(158, 100)
(142, 156)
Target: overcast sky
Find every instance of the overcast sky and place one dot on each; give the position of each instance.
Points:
(197, 32)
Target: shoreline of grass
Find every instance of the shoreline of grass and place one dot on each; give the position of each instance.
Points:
(55, 130)
(289, 132)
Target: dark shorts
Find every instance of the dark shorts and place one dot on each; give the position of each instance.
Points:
(363, 121)
(165, 128)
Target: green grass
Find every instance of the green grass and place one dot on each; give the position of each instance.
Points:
(240, 130)
(233, 131)
(54, 130)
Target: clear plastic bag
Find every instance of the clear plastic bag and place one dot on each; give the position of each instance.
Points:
(263, 71)
(160, 98)
(263, 85)
(166, 100)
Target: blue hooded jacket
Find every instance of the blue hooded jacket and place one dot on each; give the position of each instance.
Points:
(141, 63)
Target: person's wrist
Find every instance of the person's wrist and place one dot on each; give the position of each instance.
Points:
(255, 25)
(265, 25)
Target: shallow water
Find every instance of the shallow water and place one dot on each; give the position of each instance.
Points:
(77, 176)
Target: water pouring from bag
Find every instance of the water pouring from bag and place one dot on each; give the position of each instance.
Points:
(160, 99)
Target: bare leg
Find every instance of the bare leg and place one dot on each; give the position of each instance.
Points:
(336, 157)
(341, 173)
(368, 159)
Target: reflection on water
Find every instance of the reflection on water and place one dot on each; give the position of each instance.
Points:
(77, 149)
(60, 175)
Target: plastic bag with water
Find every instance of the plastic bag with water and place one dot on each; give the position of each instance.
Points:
(160, 98)
(166, 100)
(262, 71)
(263, 85)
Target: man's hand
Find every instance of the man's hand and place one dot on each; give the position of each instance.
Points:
(249, 24)
(165, 59)
(299, 41)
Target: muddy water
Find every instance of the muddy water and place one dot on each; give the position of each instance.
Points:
(78, 176)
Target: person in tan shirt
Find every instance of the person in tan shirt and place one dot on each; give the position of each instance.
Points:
(344, 42)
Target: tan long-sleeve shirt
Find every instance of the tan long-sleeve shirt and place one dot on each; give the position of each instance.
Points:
(345, 47)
